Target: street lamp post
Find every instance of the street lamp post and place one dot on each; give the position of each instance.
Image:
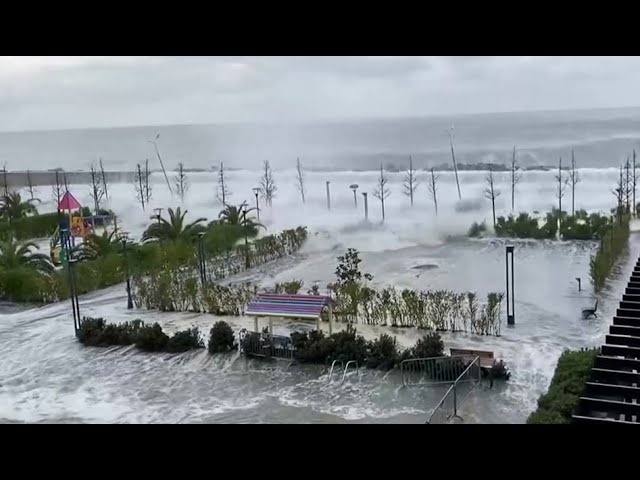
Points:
(354, 187)
(366, 206)
(256, 191)
(65, 242)
(158, 214)
(201, 259)
(124, 239)
(155, 145)
(328, 196)
(246, 239)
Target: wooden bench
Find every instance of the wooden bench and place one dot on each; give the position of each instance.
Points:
(486, 359)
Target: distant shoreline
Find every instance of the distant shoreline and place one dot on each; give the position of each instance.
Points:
(41, 178)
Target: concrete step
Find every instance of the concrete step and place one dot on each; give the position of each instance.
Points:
(619, 377)
(613, 363)
(611, 391)
(626, 321)
(630, 305)
(621, 351)
(627, 312)
(585, 420)
(624, 330)
(611, 407)
(635, 291)
(625, 340)
(627, 297)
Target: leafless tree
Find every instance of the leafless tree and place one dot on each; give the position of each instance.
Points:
(433, 190)
(300, 179)
(562, 185)
(619, 193)
(381, 192)
(30, 185)
(410, 182)
(268, 186)
(223, 190)
(634, 183)
(180, 181)
(97, 189)
(574, 179)
(491, 193)
(104, 180)
(627, 184)
(142, 184)
(455, 165)
(515, 178)
(57, 190)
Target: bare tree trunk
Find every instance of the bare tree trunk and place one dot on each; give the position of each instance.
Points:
(155, 145)
(104, 180)
(491, 193)
(455, 165)
(433, 190)
(381, 191)
(300, 179)
(515, 178)
(139, 186)
(410, 183)
(574, 179)
(627, 192)
(635, 181)
(30, 184)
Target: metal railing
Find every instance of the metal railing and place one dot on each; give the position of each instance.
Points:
(333, 364)
(447, 409)
(268, 346)
(431, 371)
(350, 362)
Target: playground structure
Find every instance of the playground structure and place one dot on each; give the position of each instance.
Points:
(78, 226)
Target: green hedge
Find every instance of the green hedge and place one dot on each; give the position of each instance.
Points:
(567, 385)
(581, 226)
(96, 332)
(612, 245)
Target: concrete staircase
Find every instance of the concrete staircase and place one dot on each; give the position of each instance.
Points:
(612, 393)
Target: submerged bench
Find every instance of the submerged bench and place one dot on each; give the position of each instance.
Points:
(485, 358)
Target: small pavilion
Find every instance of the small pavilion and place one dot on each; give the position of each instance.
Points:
(304, 307)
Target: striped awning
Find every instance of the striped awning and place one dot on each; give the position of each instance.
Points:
(287, 306)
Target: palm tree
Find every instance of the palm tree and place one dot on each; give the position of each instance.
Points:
(15, 255)
(95, 246)
(234, 216)
(174, 228)
(12, 206)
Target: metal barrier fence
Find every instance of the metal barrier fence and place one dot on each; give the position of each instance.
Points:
(268, 346)
(431, 371)
(447, 409)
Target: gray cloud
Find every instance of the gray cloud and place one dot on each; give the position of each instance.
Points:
(67, 92)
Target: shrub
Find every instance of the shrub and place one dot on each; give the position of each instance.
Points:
(96, 332)
(152, 338)
(184, 341)
(477, 229)
(382, 353)
(430, 345)
(567, 385)
(221, 338)
(499, 371)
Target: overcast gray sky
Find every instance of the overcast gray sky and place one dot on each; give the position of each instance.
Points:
(76, 92)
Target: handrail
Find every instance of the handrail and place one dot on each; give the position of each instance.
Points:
(333, 365)
(453, 389)
(344, 375)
